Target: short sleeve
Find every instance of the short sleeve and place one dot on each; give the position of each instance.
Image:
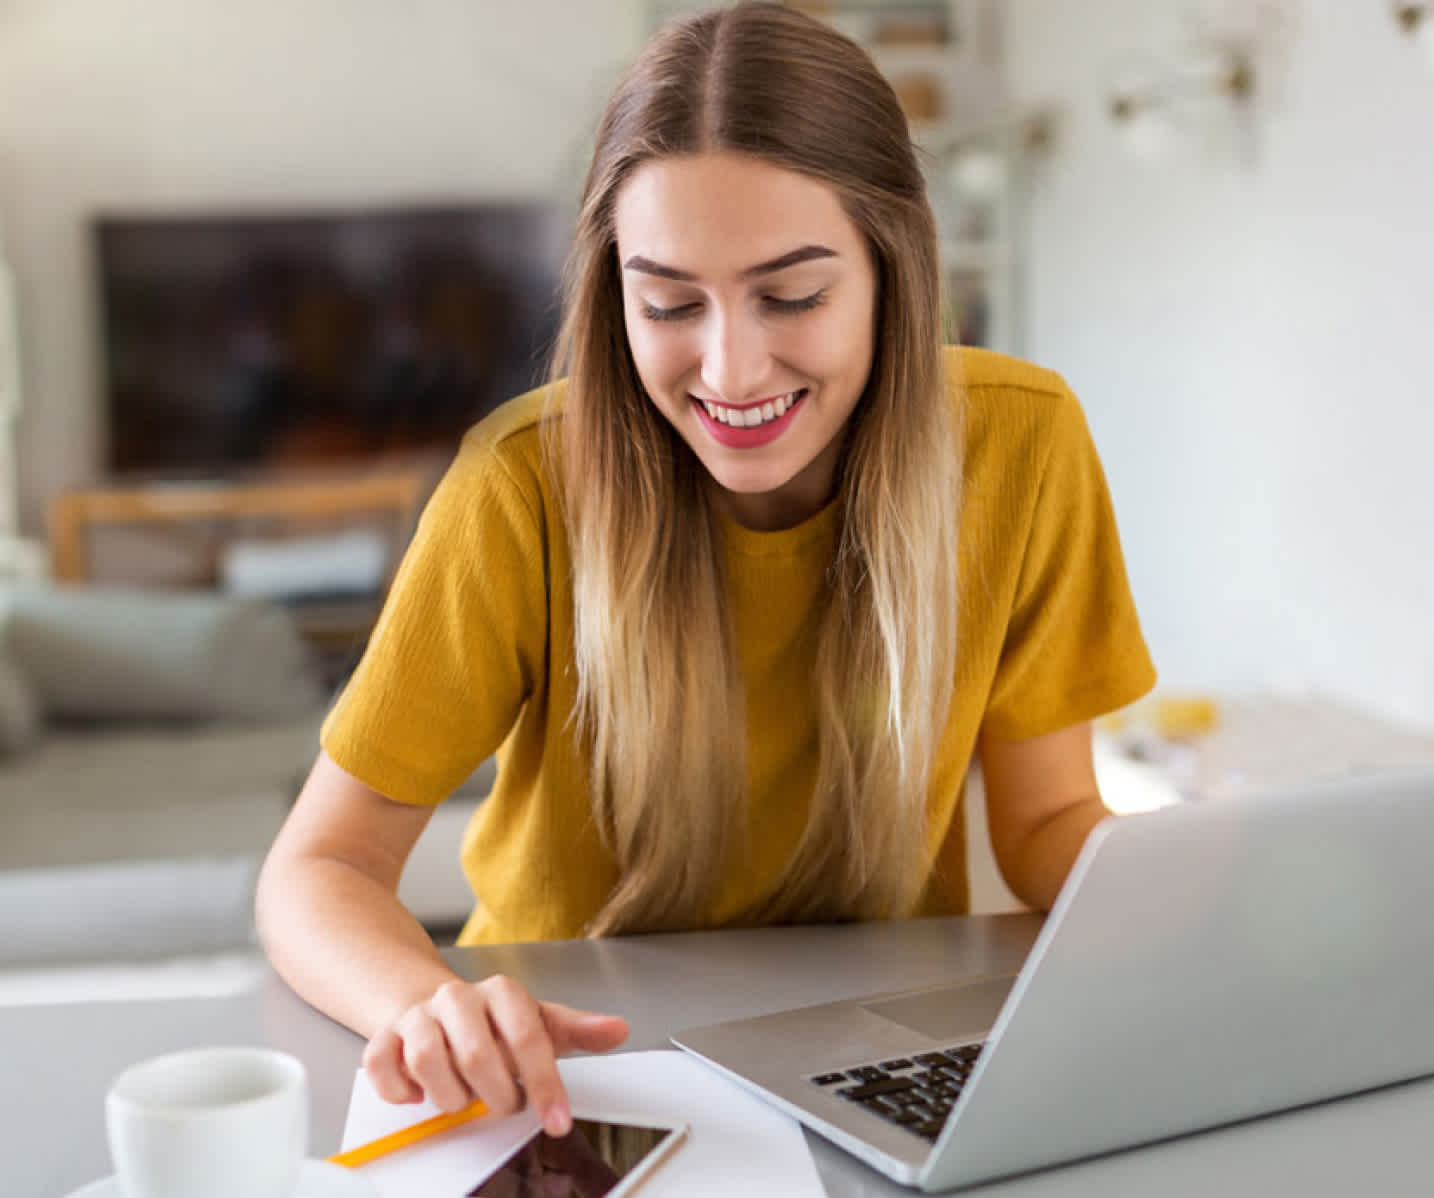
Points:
(1073, 648)
(460, 642)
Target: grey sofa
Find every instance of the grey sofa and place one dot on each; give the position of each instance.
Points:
(162, 740)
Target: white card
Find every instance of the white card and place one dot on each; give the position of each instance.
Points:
(735, 1142)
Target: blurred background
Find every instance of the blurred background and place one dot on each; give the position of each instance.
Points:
(260, 266)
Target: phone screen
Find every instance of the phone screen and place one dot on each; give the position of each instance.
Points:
(590, 1161)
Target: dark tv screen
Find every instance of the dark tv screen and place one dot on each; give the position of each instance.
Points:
(239, 342)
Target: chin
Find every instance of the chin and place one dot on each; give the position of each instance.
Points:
(750, 480)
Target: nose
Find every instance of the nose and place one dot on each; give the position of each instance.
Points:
(736, 360)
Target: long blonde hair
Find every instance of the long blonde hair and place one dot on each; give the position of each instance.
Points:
(660, 696)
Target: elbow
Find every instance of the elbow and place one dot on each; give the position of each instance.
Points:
(269, 889)
(1034, 891)
(282, 892)
(1036, 863)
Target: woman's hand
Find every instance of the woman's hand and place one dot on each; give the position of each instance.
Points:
(490, 1040)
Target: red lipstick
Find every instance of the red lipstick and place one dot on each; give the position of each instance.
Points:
(749, 438)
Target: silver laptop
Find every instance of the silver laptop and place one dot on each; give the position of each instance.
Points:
(1205, 963)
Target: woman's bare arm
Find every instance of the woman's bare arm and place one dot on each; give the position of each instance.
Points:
(330, 920)
(327, 904)
(1042, 801)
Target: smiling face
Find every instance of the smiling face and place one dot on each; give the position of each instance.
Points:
(749, 298)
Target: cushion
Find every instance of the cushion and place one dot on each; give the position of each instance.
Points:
(19, 710)
(115, 653)
(354, 562)
(125, 910)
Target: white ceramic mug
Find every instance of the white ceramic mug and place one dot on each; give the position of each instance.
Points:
(217, 1122)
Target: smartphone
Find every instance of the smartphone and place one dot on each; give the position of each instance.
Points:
(602, 1157)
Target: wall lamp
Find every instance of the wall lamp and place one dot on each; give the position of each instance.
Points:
(1234, 79)
(978, 161)
(1417, 20)
(1411, 17)
(1152, 115)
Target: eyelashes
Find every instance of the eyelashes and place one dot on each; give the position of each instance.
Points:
(666, 314)
(781, 307)
(805, 304)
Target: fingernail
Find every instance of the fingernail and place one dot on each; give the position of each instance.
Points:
(556, 1122)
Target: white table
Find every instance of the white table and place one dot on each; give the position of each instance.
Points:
(58, 1060)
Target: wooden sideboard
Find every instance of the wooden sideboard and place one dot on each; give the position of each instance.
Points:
(208, 516)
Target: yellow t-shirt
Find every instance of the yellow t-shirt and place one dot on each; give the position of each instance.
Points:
(472, 653)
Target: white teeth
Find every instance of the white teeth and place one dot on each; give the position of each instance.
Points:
(755, 415)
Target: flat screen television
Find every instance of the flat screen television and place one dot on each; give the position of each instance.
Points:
(235, 342)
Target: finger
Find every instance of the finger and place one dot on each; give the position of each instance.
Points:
(383, 1062)
(519, 1023)
(428, 1061)
(480, 1060)
(574, 1030)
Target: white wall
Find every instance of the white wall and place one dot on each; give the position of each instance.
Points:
(1248, 340)
(169, 104)
(1252, 343)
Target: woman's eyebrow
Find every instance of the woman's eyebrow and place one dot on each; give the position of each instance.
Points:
(805, 254)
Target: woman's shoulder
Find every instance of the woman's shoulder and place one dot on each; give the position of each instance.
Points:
(502, 460)
(1008, 400)
(515, 426)
(986, 370)
(510, 438)
(1016, 420)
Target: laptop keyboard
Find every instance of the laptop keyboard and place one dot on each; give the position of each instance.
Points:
(916, 1093)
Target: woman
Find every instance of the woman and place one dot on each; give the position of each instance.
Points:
(741, 599)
